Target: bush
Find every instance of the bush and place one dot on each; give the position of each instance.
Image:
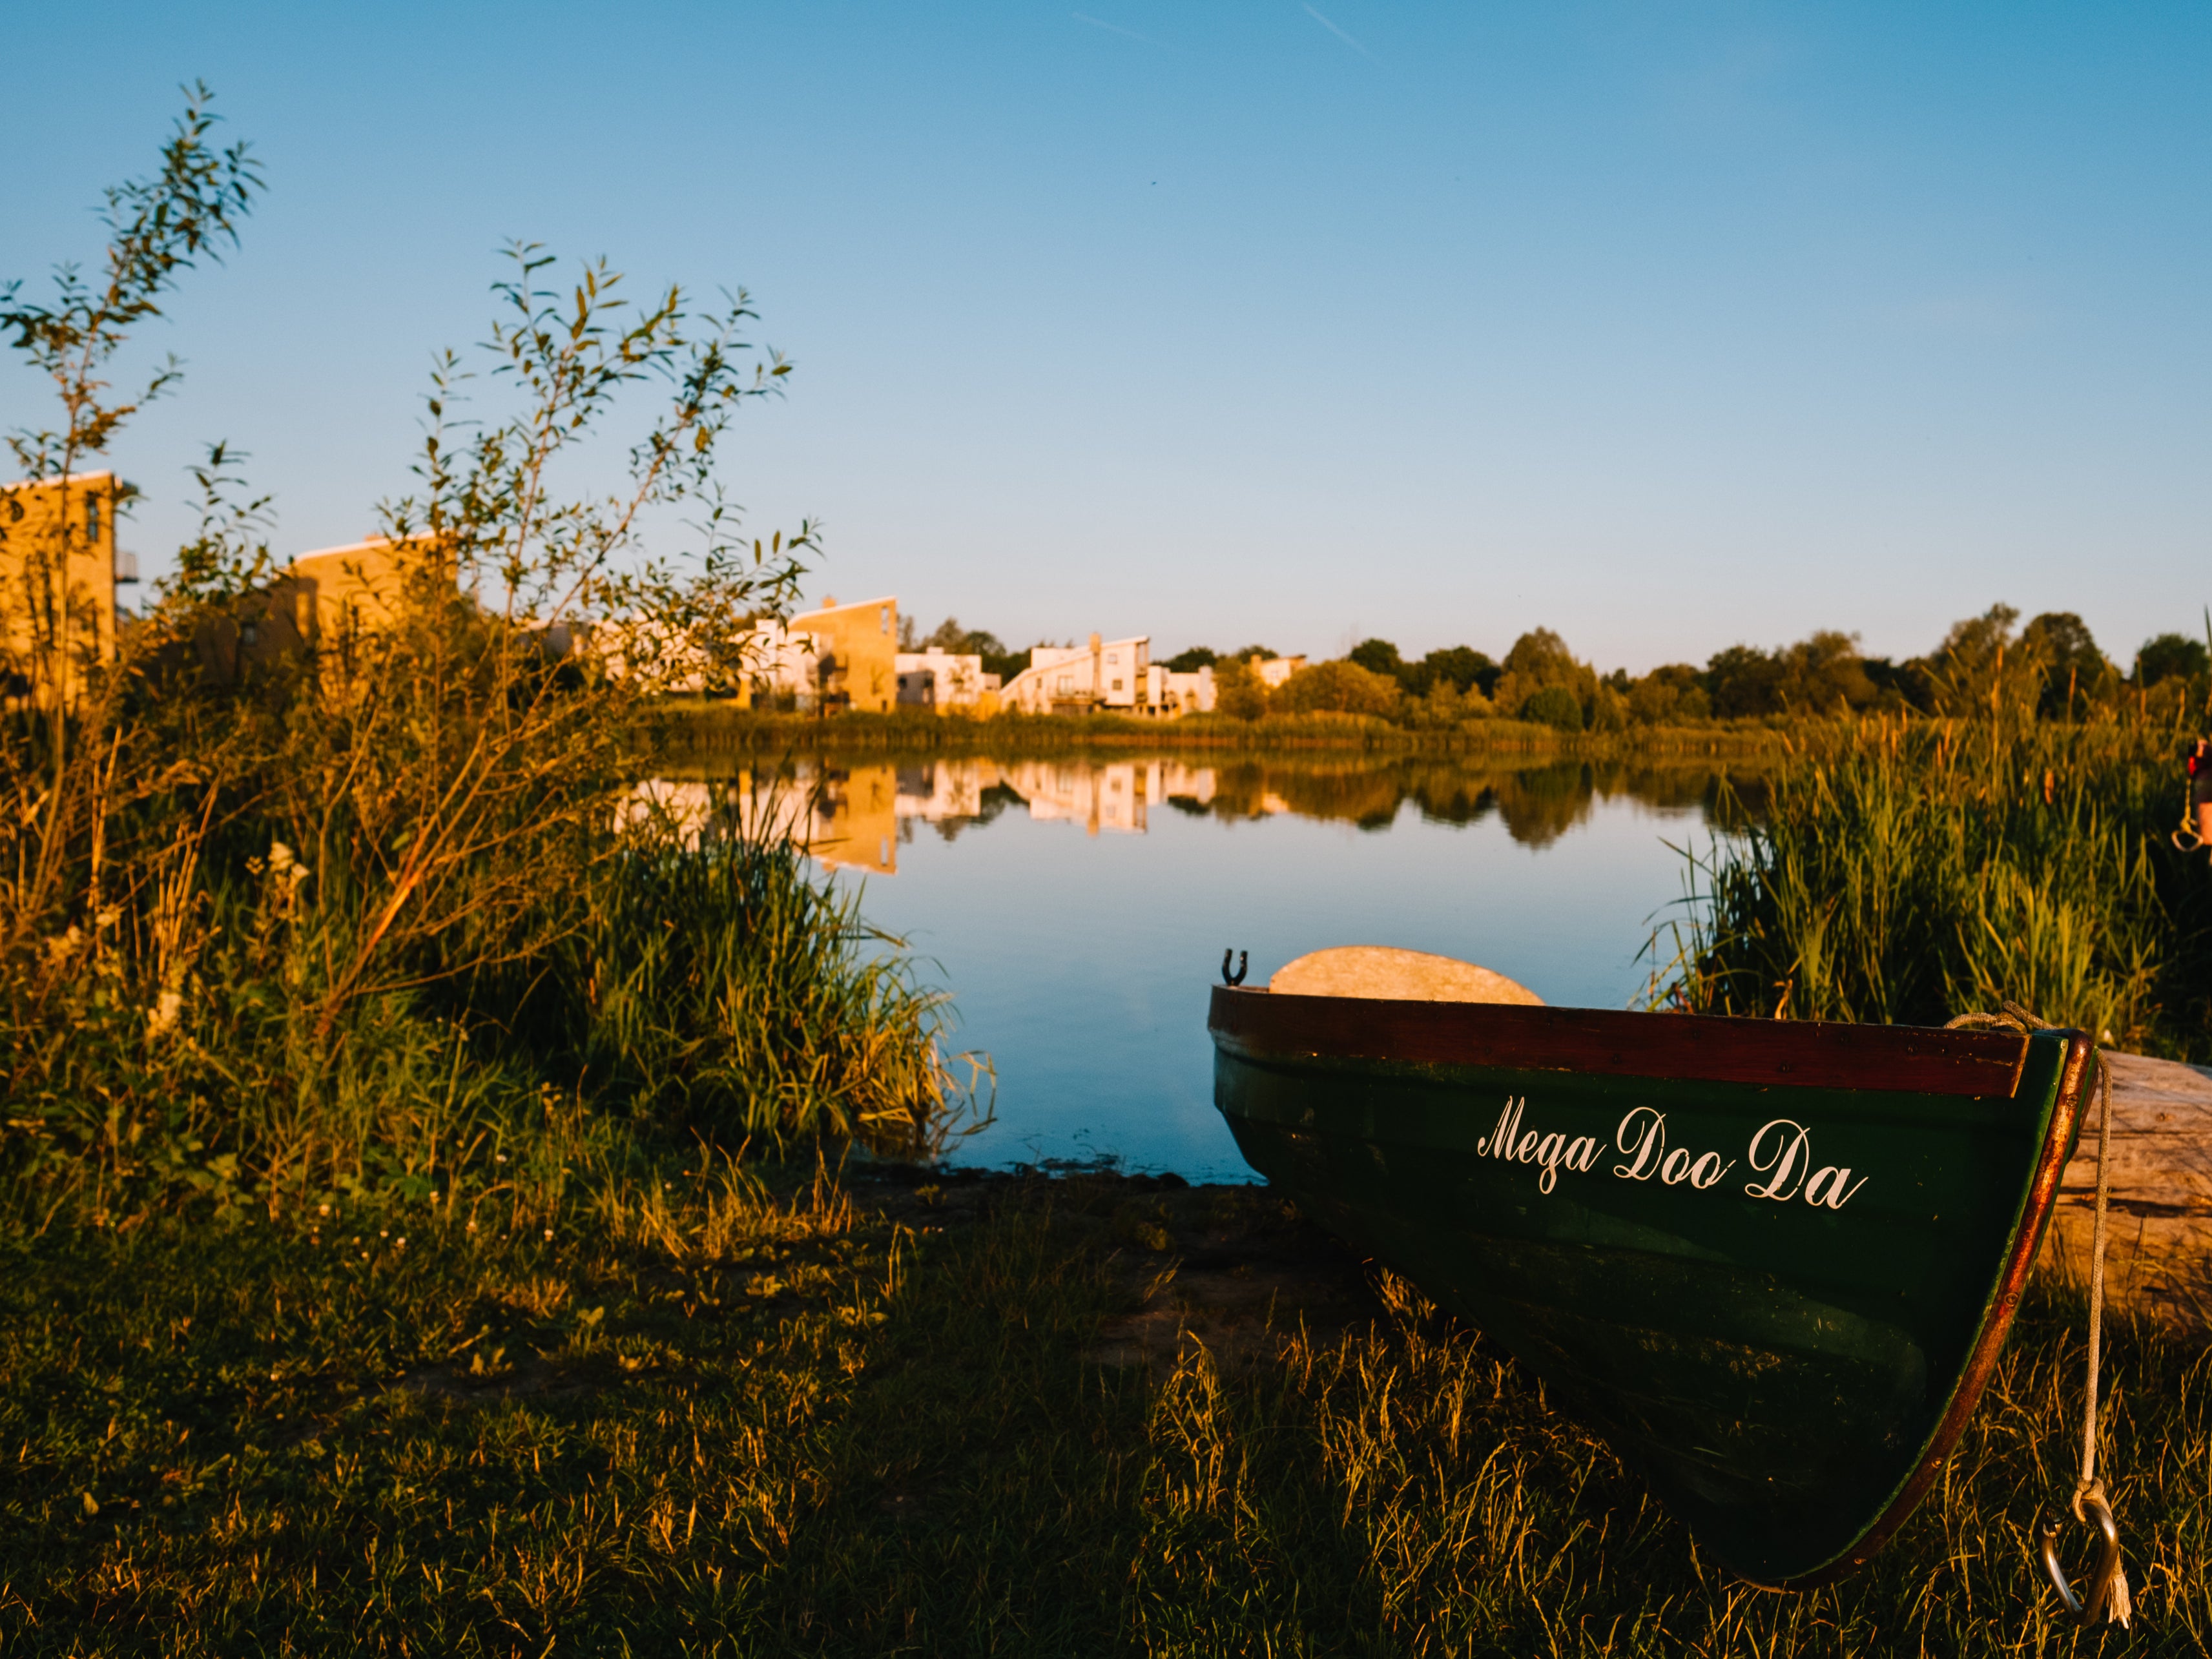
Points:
(1237, 691)
(1556, 706)
(1340, 687)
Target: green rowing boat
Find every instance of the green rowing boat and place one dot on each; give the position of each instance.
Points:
(1771, 1263)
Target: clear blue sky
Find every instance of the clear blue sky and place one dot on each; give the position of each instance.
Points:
(1663, 325)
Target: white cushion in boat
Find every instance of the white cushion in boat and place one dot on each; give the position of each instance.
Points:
(1382, 970)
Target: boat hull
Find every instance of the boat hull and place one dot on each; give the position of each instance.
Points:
(1771, 1266)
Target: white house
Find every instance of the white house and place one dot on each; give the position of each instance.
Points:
(1184, 694)
(782, 664)
(939, 680)
(1111, 676)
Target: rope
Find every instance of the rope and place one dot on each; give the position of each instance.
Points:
(2185, 839)
(2087, 1488)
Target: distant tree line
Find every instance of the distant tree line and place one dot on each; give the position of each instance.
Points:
(950, 636)
(2053, 663)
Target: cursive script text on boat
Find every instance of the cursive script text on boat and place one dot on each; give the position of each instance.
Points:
(1788, 1156)
(1552, 1153)
(1780, 1154)
(1642, 1137)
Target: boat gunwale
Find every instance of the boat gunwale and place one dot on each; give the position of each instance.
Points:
(1613, 1042)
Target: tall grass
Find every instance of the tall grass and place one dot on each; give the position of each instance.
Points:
(1908, 870)
(734, 994)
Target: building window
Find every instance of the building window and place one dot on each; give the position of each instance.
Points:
(92, 519)
(1067, 685)
(883, 619)
(1114, 656)
(1117, 685)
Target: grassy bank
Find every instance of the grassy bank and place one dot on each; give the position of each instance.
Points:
(698, 725)
(1908, 871)
(684, 1410)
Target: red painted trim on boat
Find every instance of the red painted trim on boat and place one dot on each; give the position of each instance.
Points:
(2050, 1164)
(1794, 1053)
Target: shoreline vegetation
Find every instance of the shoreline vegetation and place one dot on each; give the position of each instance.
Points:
(699, 726)
(1902, 871)
(441, 1210)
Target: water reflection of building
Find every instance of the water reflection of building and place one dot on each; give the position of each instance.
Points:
(854, 817)
(1116, 796)
(936, 790)
(846, 818)
(1113, 796)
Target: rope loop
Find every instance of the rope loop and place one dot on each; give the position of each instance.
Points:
(2091, 1490)
(2106, 1594)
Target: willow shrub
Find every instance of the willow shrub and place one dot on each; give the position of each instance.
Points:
(1908, 870)
(287, 886)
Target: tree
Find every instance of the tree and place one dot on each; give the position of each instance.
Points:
(2073, 666)
(1553, 705)
(1190, 659)
(1339, 688)
(1380, 656)
(2171, 656)
(1823, 672)
(446, 782)
(1981, 669)
(77, 756)
(1743, 683)
(1540, 657)
(1445, 705)
(1672, 692)
(1464, 666)
(1907, 684)
(1973, 644)
(440, 780)
(950, 637)
(1461, 666)
(1238, 691)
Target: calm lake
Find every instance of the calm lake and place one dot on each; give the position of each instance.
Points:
(1076, 908)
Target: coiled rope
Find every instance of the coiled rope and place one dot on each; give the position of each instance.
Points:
(2185, 839)
(2106, 1594)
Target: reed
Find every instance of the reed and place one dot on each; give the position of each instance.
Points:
(735, 994)
(1908, 870)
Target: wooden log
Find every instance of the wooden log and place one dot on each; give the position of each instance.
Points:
(2158, 1256)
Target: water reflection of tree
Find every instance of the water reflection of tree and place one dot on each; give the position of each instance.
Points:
(1542, 805)
(1537, 805)
(993, 801)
